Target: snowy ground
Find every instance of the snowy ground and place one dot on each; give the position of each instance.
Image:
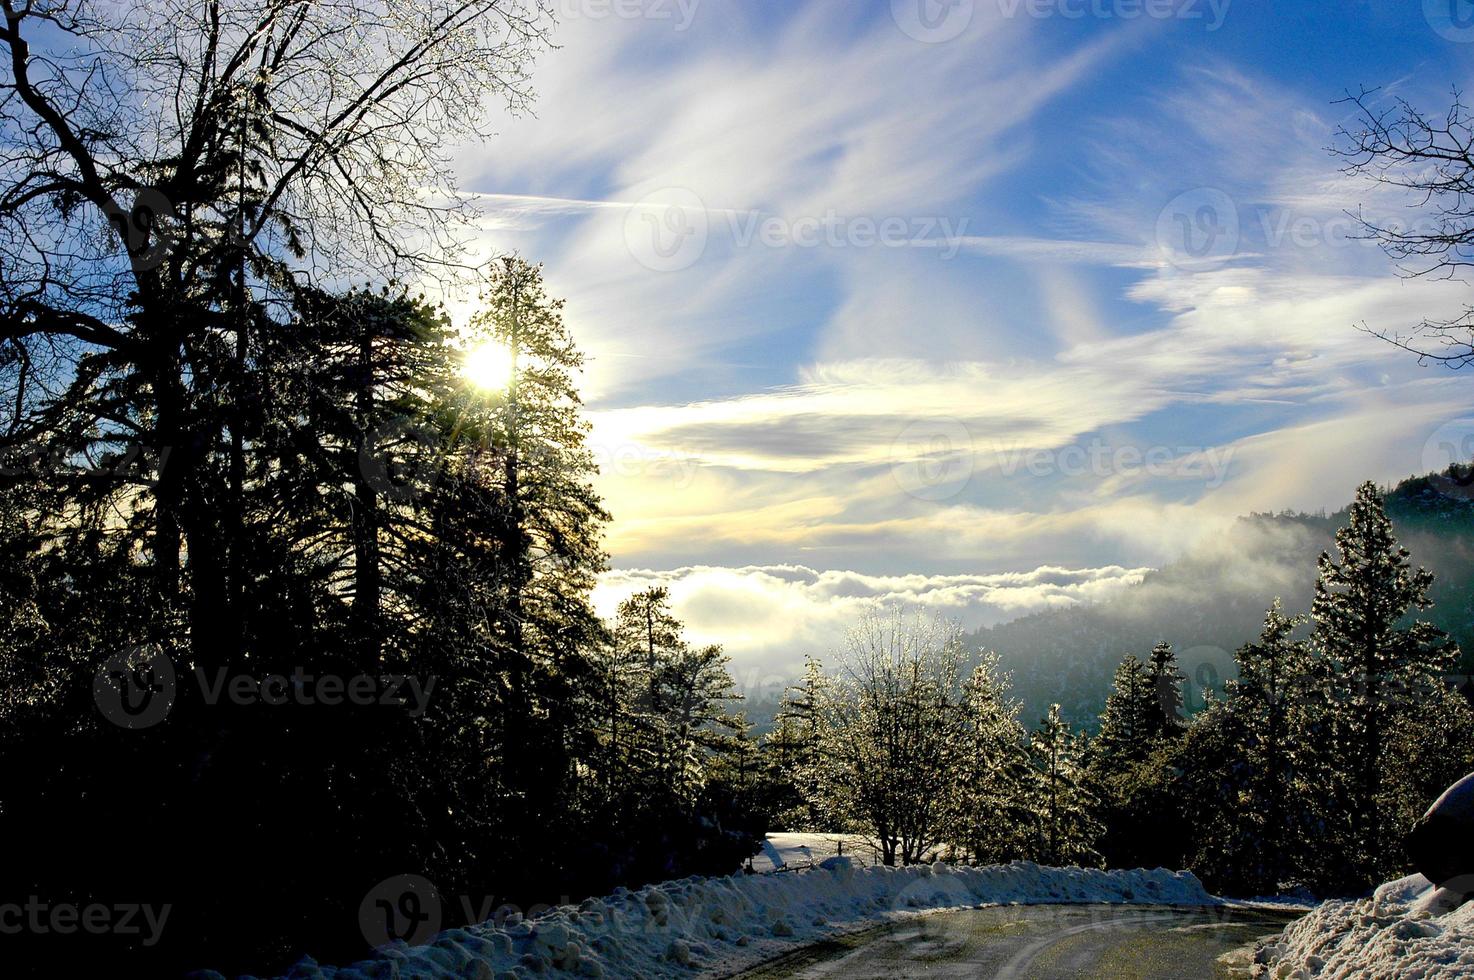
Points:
(717, 926)
(1407, 929)
(793, 852)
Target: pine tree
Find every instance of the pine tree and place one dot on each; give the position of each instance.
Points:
(1266, 707)
(647, 637)
(695, 693)
(1164, 720)
(1066, 831)
(1131, 763)
(993, 780)
(538, 438)
(790, 752)
(1126, 723)
(1378, 671)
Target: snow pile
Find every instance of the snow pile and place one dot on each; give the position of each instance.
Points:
(717, 925)
(1408, 928)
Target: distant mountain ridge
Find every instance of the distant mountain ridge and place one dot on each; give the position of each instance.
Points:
(1212, 602)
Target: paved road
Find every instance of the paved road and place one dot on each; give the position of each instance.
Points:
(1039, 943)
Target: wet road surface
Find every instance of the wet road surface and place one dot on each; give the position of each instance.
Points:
(1042, 942)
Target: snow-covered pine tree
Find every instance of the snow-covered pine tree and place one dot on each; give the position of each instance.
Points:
(790, 752)
(1066, 831)
(1130, 762)
(1380, 672)
(646, 636)
(695, 695)
(1125, 723)
(1269, 757)
(990, 810)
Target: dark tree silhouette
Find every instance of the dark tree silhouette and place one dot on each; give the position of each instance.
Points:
(1395, 144)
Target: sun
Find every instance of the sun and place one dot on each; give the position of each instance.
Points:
(488, 366)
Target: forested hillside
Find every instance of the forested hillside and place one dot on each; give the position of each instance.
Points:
(1210, 603)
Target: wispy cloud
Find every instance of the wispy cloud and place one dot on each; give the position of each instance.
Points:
(1108, 270)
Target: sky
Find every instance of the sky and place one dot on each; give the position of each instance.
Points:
(981, 306)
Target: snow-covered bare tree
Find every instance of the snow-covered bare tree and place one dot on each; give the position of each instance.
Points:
(890, 726)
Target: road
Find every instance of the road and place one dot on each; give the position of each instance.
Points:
(1041, 942)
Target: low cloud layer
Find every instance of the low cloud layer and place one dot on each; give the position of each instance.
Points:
(768, 617)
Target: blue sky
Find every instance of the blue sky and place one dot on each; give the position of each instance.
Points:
(888, 306)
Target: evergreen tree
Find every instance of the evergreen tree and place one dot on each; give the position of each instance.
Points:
(678, 766)
(538, 438)
(1164, 720)
(1268, 714)
(1126, 724)
(790, 752)
(1066, 831)
(1132, 762)
(1379, 672)
(646, 638)
(695, 693)
(993, 780)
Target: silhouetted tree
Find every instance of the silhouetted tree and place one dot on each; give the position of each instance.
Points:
(1394, 144)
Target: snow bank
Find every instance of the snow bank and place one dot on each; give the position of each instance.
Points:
(719, 925)
(1408, 929)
